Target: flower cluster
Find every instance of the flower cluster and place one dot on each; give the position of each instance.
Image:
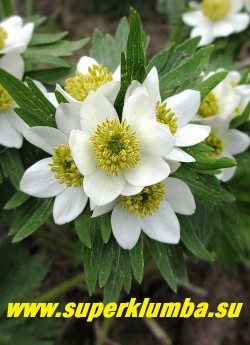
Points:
(121, 162)
(225, 102)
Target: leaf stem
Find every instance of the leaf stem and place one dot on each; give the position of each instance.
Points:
(60, 289)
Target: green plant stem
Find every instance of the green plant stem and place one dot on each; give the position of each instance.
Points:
(60, 289)
(8, 8)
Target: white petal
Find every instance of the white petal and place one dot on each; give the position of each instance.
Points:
(9, 135)
(222, 28)
(12, 23)
(69, 98)
(131, 190)
(67, 118)
(117, 73)
(218, 124)
(94, 110)
(84, 63)
(82, 152)
(39, 181)
(174, 165)
(110, 90)
(152, 84)
(134, 87)
(239, 21)
(69, 204)
(179, 196)
(179, 155)
(137, 108)
(236, 5)
(227, 173)
(47, 138)
(193, 18)
(103, 187)
(227, 104)
(163, 225)
(100, 210)
(191, 135)
(125, 227)
(235, 141)
(25, 34)
(17, 122)
(149, 170)
(155, 138)
(185, 105)
(205, 31)
(13, 63)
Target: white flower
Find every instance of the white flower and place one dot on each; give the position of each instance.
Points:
(57, 175)
(14, 36)
(91, 76)
(176, 112)
(120, 157)
(216, 18)
(226, 143)
(152, 211)
(222, 101)
(242, 90)
(11, 125)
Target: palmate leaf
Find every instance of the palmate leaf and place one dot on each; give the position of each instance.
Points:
(12, 166)
(20, 277)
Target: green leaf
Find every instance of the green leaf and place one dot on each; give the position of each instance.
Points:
(133, 66)
(191, 241)
(106, 226)
(49, 75)
(28, 101)
(92, 257)
(30, 217)
(38, 39)
(60, 98)
(106, 49)
(189, 69)
(36, 19)
(160, 255)
(83, 227)
(16, 200)
(12, 166)
(177, 263)
(206, 189)
(62, 48)
(209, 84)
(19, 281)
(46, 58)
(120, 275)
(204, 162)
(137, 260)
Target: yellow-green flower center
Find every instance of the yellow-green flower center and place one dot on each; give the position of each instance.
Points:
(146, 202)
(166, 116)
(80, 85)
(3, 36)
(64, 168)
(215, 9)
(214, 141)
(209, 106)
(115, 146)
(5, 99)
